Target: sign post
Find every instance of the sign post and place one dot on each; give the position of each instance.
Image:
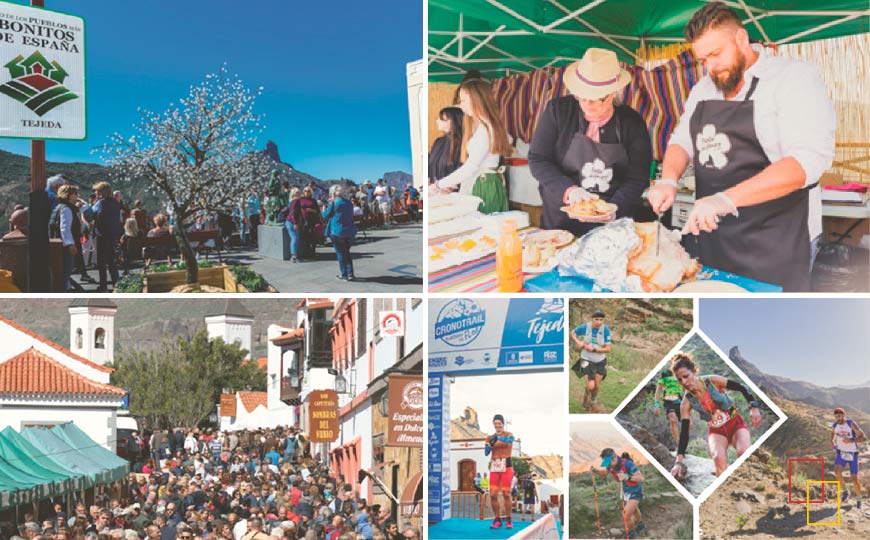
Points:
(405, 411)
(323, 416)
(42, 96)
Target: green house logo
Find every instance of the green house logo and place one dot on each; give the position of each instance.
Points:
(37, 83)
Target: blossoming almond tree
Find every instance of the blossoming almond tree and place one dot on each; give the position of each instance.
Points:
(200, 153)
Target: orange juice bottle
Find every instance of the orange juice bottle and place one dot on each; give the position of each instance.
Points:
(509, 259)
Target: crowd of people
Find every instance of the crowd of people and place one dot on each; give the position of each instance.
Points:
(105, 233)
(208, 485)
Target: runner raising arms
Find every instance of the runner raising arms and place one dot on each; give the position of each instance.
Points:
(673, 396)
(845, 436)
(593, 340)
(624, 470)
(501, 472)
(725, 426)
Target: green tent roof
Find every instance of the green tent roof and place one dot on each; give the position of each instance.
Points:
(16, 449)
(72, 458)
(75, 437)
(502, 36)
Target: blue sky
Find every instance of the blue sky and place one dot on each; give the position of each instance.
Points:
(333, 72)
(824, 341)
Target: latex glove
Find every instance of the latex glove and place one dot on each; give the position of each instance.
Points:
(622, 476)
(706, 212)
(577, 194)
(662, 195)
(755, 418)
(677, 471)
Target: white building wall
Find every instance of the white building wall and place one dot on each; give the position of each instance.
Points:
(474, 450)
(273, 367)
(89, 320)
(231, 329)
(415, 325)
(99, 422)
(358, 424)
(14, 342)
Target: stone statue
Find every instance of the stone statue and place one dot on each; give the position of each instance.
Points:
(276, 199)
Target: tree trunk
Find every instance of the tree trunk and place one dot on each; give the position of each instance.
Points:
(187, 253)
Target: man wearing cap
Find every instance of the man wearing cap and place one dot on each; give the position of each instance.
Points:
(625, 471)
(501, 472)
(587, 145)
(593, 340)
(845, 436)
(760, 132)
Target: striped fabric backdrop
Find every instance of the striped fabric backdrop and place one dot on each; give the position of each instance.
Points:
(658, 94)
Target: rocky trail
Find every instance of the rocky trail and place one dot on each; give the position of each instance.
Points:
(753, 503)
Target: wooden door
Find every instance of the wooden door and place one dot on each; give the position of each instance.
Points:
(467, 470)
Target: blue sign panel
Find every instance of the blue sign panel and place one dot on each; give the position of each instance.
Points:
(438, 435)
(469, 335)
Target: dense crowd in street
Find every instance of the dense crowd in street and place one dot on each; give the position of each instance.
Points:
(204, 485)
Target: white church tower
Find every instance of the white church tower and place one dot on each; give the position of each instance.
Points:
(92, 329)
(234, 323)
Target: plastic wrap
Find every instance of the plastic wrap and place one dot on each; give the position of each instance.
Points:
(601, 255)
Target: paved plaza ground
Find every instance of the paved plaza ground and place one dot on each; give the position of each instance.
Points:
(385, 260)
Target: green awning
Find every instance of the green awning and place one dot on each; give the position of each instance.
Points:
(502, 36)
(70, 457)
(16, 449)
(75, 437)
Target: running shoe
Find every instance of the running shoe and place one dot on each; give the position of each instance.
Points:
(859, 503)
(496, 524)
(509, 524)
(640, 527)
(844, 496)
(632, 534)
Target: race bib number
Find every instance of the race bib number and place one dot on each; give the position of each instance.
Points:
(720, 418)
(584, 364)
(672, 397)
(498, 465)
(847, 456)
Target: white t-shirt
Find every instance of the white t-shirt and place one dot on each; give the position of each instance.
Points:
(794, 117)
(480, 159)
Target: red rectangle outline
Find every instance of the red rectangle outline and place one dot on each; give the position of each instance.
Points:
(790, 500)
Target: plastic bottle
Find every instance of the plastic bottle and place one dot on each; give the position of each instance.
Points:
(509, 259)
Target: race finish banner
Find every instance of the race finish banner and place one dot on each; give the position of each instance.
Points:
(480, 336)
(42, 79)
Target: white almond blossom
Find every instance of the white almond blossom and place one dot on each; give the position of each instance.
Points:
(200, 153)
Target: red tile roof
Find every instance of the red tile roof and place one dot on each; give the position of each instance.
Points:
(314, 303)
(33, 372)
(251, 400)
(289, 336)
(54, 345)
(262, 363)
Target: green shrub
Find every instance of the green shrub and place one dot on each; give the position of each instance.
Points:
(131, 283)
(251, 280)
(160, 267)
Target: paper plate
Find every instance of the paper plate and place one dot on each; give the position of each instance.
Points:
(555, 238)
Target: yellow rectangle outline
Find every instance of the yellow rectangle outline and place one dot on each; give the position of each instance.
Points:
(823, 482)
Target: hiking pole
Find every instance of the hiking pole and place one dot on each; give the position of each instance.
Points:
(624, 517)
(595, 491)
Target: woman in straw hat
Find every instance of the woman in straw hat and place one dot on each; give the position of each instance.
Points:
(587, 145)
(485, 141)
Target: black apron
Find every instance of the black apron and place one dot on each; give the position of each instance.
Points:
(768, 242)
(598, 168)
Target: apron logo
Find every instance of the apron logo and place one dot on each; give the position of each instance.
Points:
(596, 175)
(712, 147)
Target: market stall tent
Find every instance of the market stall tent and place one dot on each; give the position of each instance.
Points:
(20, 465)
(23, 447)
(76, 438)
(500, 37)
(72, 458)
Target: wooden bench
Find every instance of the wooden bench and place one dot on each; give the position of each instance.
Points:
(158, 243)
(201, 237)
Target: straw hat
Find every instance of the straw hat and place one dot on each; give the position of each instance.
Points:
(595, 75)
